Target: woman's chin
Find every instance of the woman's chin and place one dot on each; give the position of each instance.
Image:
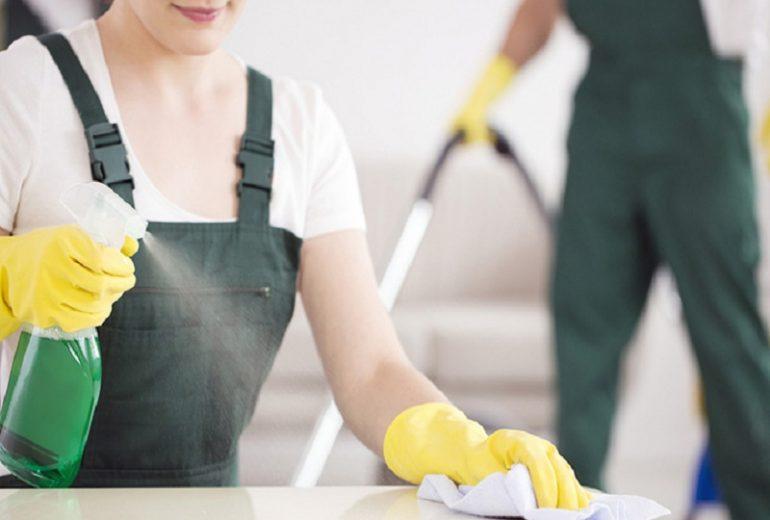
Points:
(195, 44)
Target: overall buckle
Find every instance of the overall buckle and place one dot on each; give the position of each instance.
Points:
(256, 159)
(108, 154)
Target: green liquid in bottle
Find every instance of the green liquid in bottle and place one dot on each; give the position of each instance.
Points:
(49, 404)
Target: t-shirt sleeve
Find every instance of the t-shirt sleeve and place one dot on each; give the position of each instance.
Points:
(334, 201)
(21, 78)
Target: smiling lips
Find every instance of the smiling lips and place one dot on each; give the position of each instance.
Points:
(199, 14)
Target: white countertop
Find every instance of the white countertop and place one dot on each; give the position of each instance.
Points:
(263, 503)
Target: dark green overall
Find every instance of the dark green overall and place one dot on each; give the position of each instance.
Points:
(183, 362)
(660, 173)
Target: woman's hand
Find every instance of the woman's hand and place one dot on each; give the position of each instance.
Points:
(58, 276)
(528, 32)
(437, 438)
(471, 121)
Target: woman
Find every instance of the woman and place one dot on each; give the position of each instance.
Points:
(659, 172)
(181, 379)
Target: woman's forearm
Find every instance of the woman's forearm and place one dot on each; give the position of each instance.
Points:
(393, 387)
(367, 369)
(530, 29)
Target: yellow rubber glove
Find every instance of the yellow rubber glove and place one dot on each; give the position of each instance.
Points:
(472, 119)
(437, 438)
(764, 138)
(59, 276)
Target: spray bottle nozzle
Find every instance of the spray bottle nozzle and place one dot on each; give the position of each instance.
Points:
(103, 214)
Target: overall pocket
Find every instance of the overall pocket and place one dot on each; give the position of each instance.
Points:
(180, 381)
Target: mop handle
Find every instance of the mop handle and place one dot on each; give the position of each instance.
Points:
(430, 182)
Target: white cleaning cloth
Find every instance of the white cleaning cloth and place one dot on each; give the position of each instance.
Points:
(511, 495)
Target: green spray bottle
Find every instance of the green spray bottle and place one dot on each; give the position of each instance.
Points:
(56, 376)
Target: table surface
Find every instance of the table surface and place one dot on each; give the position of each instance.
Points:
(263, 503)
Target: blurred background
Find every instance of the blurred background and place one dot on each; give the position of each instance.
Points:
(395, 73)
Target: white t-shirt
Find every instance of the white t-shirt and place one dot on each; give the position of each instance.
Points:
(43, 152)
(733, 25)
(43, 149)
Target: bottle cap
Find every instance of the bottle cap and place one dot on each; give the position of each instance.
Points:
(101, 212)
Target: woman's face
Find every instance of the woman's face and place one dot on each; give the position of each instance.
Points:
(191, 27)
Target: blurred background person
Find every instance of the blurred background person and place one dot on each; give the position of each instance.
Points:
(660, 173)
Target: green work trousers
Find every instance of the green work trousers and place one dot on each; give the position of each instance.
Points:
(660, 173)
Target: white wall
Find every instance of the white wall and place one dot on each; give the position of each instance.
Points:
(396, 71)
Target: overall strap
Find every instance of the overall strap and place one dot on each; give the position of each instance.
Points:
(109, 158)
(256, 154)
